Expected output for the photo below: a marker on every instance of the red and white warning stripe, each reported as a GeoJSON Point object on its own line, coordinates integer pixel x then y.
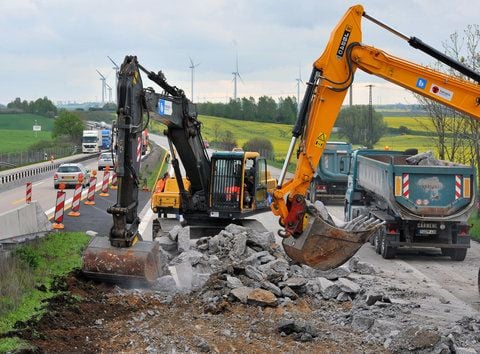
{"type": "Point", "coordinates": [139, 148]}
{"type": "Point", "coordinates": [106, 180]}
{"type": "Point", "coordinates": [91, 191]}
{"type": "Point", "coordinates": [114, 179]}
{"type": "Point", "coordinates": [406, 185]}
{"type": "Point", "coordinates": [28, 197]}
{"type": "Point", "coordinates": [77, 194]}
{"type": "Point", "coordinates": [458, 186]}
{"type": "Point", "coordinates": [59, 207]}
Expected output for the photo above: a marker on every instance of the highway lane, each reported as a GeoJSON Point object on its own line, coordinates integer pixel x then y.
{"type": "Point", "coordinates": [42, 191]}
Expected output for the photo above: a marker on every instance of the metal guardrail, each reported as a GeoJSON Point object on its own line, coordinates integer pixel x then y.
{"type": "Point", "coordinates": [22, 174]}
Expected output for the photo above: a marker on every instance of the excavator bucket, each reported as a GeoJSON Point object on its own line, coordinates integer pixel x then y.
{"type": "Point", "coordinates": [324, 246]}
{"type": "Point", "coordinates": [138, 265]}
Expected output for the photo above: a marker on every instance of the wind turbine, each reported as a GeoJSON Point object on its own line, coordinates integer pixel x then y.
{"type": "Point", "coordinates": [117, 69]}
{"type": "Point", "coordinates": [192, 67]}
{"type": "Point", "coordinates": [109, 92]}
{"type": "Point", "coordinates": [298, 80]}
{"type": "Point", "coordinates": [235, 74]}
{"type": "Point", "coordinates": [102, 79]}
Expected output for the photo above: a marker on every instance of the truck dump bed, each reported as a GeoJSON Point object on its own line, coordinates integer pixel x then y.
{"type": "Point", "coordinates": [417, 191]}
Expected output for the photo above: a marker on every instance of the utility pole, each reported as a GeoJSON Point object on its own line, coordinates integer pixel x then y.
{"type": "Point", "coordinates": [351, 95]}
{"type": "Point", "coordinates": [370, 116]}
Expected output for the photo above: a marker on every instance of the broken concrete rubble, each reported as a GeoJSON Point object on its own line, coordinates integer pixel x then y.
{"type": "Point", "coordinates": [251, 269]}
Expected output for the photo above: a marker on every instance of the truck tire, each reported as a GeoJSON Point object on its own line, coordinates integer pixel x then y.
{"type": "Point", "coordinates": [378, 241]}
{"type": "Point", "coordinates": [312, 192]}
{"type": "Point", "coordinates": [447, 252]}
{"type": "Point", "coordinates": [387, 252]}
{"type": "Point", "coordinates": [459, 254]}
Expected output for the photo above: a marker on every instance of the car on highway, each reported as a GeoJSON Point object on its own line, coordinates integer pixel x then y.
{"type": "Point", "coordinates": [70, 174]}
{"type": "Point", "coordinates": [106, 159]}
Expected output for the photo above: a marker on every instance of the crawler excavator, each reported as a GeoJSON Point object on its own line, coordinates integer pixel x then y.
{"type": "Point", "coordinates": [314, 240]}
{"type": "Point", "coordinates": [310, 236]}
{"type": "Point", "coordinates": [213, 192]}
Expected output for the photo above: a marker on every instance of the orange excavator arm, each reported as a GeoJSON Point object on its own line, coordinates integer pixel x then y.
{"type": "Point", "coordinates": [310, 240]}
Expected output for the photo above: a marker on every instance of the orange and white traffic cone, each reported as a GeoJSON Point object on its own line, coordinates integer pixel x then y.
{"type": "Point", "coordinates": [59, 209]}
{"type": "Point", "coordinates": [91, 190]}
{"type": "Point", "coordinates": [106, 179]}
{"type": "Point", "coordinates": [28, 196]}
{"type": "Point", "coordinates": [77, 195]}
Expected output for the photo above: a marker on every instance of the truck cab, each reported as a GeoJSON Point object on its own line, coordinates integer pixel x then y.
{"type": "Point", "coordinates": [91, 141]}
{"type": "Point", "coordinates": [330, 180]}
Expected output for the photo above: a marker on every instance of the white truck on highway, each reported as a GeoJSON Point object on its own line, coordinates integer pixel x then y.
{"type": "Point", "coordinates": [91, 141]}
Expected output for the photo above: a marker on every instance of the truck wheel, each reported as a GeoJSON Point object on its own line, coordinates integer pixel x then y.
{"type": "Point", "coordinates": [312, 192]}
{"type": "Point", "coordinates": [372, 239]}
{"type": "Point", "coordinates": [387, 251]}
{"type": "Point", "coordinates": [459, 254]}
{"type": "Point", "coordinates": [378, 241]}
{"type": "Point", "coordinates": [447, 252]}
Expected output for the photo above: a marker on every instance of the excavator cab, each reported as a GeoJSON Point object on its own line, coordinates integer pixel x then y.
{"type": "Point", "coordinates": [240, 184]}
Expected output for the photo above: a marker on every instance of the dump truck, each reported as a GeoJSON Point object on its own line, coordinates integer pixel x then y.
{"type": "Point", "coordinates": [329, 182]}
{"type": "Point", "coordinates": [423, 202]}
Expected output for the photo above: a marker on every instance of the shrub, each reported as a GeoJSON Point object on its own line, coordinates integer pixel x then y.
{"type": "Point", "coordinates": [262, 145]}
{"type": "Point", "coordinates": [28, 255]}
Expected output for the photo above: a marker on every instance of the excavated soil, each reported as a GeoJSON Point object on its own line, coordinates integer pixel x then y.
{"type": "Point", "coordinates": [90, 317]}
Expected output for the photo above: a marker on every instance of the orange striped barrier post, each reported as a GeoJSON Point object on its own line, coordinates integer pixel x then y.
{"type": "Point", "coordinates": [28, 196]}
{"type": "Point", "coordinates": [106, 179]}
{"type": "Point", "coordinates": [91, 189]}
{"type": "Point", "coordinates": [59, 209]}
{"type": "Point", "coordinates": [77, 195]}
{"type": "Point", "coordinates": [113, 184]}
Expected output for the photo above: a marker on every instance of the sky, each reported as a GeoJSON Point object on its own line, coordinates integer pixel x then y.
{"type": "Point", "coordinates": [54, 47]}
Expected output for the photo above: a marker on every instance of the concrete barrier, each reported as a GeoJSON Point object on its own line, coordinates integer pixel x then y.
{"type": "Point", "coordinates": [26, 221]}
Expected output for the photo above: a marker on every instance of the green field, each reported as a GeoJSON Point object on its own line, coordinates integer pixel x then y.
{"type": "Point", "coordinates": [20, 140]}
{"type": "Point", "coordinates": [412, 123]}
{"type": "Point", "coordinates": [24, 121]}
{"type": "Point", "coordinates": [280, 134]}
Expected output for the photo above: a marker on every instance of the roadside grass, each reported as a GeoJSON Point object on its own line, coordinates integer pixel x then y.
{"type": "Point", "coordinates": [25, 121]}
{"type": "Point", "coordinates": [27, 276]}
{"type": "Point", "coordinates": [158, 170]}
{"type": "Point", "coordinates": [20, 140]}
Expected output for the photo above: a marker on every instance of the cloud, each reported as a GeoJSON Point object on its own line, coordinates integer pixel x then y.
{"type": "Point", "coordinates": [52, 48]}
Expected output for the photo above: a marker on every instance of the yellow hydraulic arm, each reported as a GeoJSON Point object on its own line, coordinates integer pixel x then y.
{"type": "Point", "coordinates": [332, 74]}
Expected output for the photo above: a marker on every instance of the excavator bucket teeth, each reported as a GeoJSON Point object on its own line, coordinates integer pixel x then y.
{"type": "Point", "coordinates": [138, 265]}
{"type": "Point", "coordinates": [323, 246]}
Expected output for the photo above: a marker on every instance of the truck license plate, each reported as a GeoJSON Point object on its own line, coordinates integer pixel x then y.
{"type": "Point", "coordinates": [427, 225]}
{"type": "Point", "coordinates": [427, 232]}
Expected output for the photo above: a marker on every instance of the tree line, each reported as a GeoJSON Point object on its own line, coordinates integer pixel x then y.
{"type": "Point", "coordinates": [41, 106]}
{"type": "Point", "coordinates": [266, 109]}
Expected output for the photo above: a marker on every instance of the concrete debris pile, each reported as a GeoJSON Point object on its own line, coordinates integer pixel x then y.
{"type": "Point", "coordinates": [253, 269]}
{"type": "Point", "coordinates": [428, 159]}
{"type": "Point", "coordinates": [243, 265]}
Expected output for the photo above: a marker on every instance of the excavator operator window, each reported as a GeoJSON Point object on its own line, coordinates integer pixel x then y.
{"type": "Point", "coordinates": [226, 183]}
